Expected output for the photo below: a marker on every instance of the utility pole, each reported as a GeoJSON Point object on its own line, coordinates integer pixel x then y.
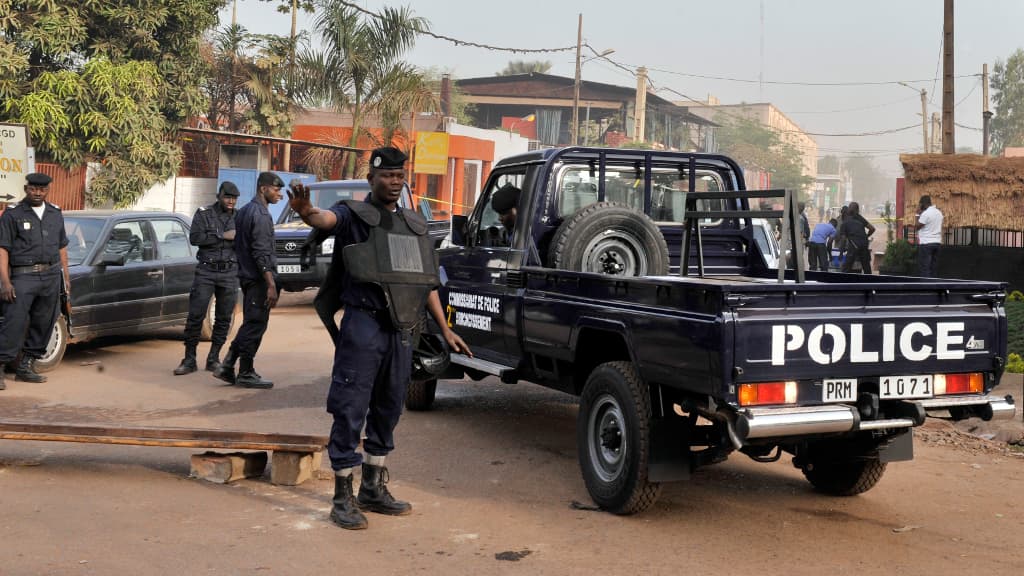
{"type": "Point", "coordinates": [948, 123]}
{"type": "Point", "coordinates": [640, 107]}
{"type": "Point", "coordinates": [986, 114]}
{"type": "Point", "coordinates": [575, 128]}
{"type": "Point", "coordinates": [936, 141]}
{"type": "Point", "coordinates": [924, 120]}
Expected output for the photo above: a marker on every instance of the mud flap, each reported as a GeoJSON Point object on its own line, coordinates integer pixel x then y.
{"type": "Point", "coordinates": [670, 459]}
{"type": "Point", "coordinates": [897, 448]}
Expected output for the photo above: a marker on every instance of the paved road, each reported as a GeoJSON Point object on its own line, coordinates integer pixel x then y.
{"type": "Point", "coordinates": [492, 474]}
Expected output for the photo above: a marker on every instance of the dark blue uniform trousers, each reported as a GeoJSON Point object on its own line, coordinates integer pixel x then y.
{"type": "Point", "coordinates": [206, 284]}
{"type": "Point", "coordinates": [372, 366]}
{"type": "Point", "coordinates": [255, 316]}
{"type": "Point", "coordinates": [34, 310]}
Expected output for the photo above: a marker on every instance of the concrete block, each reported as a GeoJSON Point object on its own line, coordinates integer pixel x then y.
{"type": "Point", "coordinates": [224, 468]}
{"type": "Point", "coordinates": [293, 468]}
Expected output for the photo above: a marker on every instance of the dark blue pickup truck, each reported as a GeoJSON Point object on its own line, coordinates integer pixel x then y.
{"type": "Point", "coordinates": [632, 280]}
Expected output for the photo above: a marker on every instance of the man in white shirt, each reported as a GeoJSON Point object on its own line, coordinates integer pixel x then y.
{"type": "Point", "coordinates": [929, 237]}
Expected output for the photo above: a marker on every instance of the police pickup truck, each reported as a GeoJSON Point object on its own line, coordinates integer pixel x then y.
{"type": "Point", "coordinates": [303, 258]}
{"type": "Point", "coordinates": [632, 280]}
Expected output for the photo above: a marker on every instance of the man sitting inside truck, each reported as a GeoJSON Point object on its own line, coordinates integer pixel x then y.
{"type": "Point", "coordinates": [504, 201]}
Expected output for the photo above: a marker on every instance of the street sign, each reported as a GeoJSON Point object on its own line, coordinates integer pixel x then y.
{"type": "Point", "coordinates": [14, 165]}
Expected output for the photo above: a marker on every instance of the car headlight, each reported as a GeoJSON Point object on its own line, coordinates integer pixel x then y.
{"type": "Point", "coordinates": [328, 246]}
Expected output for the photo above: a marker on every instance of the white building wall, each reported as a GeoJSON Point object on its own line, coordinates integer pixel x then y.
{"type": "Point", "coordinates": [177, 194]}
{"type": "Point", "coordinates": [505, 143]}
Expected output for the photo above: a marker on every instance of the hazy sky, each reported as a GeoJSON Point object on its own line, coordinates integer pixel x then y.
{"type": "Point", "coordinates": [870, 43]}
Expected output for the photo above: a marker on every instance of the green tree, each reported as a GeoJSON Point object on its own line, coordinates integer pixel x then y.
{"type": "Point", "coordinates": [525, 67]}
{"type": "Point", "coordinates": [1008, 95]}
{"type": "Point", "coordinates": [230, 68]}
{"type": "Point", "coordinates": [757, 147]}
{"type": "Point", "coordinates": [105, 81]}
{"type": "Point", "coordinates": [357, 70]}
{"type": "Point", "coordinates": [829, 165]}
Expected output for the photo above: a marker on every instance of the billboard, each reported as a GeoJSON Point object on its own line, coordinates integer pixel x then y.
{"type": "Point", "coordinates": [431, 153]}
{"type": "Point", "coordinates": [14, 165]}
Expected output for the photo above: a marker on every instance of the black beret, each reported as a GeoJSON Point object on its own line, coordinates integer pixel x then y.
{"type": "Point", "coordinates": [269, 179]}
{"type": "Point", "coordinates": [228, 189]}
{"type": "Point", "coordinates": [38, 179]}
{"type": "Point", "coordinates": [388, 158]}
{"type": "Point", "coordinates": [505, 198]}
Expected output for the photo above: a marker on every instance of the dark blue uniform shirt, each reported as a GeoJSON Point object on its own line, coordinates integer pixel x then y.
{"type": "Point", "coordinates": [207, 233]}
{"type": "Point", "coordinates": [351, 230]}
{"type": "Point", "coordinates": [29, 241]}
{"type": "Point", "coordinates": [254, 241]}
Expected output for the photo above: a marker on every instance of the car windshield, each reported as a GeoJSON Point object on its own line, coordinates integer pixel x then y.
{"type": "Point", "coordinates": [82, 235]}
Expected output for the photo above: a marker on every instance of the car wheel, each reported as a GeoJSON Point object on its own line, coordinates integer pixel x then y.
{"type": "Point", "coordinates": [420, 394]}
{"type": "Point", "coordinates": [613, 439]}
{"type": "Point", "coordinates": [609, 238]}
{"type": "Point", "coordinates": [54, 348]}
{"type": "Point", "coordinates": [206, 333]}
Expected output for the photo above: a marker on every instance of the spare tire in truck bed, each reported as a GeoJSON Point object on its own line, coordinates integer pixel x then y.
{"type": "Point", "coordinates": [610, 238]}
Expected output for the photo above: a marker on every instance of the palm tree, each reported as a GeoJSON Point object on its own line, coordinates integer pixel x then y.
{"type": "Point", "coordinates": [358, 68]}
{"type": "Point", "coordinates": [230, 68]}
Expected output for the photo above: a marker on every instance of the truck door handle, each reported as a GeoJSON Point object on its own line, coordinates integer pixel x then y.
{"type": "Point", "coordinates": [995, 296]}
{"type": "Point", "coordinates": [155, 273]}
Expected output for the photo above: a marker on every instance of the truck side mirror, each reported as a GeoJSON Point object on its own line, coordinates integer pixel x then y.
{"type": "Point", "coordinates": [459, 224]}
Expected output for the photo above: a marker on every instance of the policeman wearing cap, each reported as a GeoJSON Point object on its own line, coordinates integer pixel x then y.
{"type": "Point", "coordinates": [389, 274]}
{"type": "Point", "coordinates": [33, 258]}
{"type": "Point", "coordinates": [257, 269]}
{"type": "Point", "coordinates": [213, 232]}
{"type": "Point", "coordinates": [504, 201]}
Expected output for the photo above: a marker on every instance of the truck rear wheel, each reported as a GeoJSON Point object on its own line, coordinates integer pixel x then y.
{"type": "Point", "coordinates": [613, 439]}
{"type": "Point", "coordinates": [420, 394]}
{"type": "Point", "coordinates": [609, 238]}
{"type": "Point", "coordinates": [844, 476]}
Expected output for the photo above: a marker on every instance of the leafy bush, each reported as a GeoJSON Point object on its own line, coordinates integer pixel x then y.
{"type": "Point", "coordinates": [900, 258]}
{"type": "Point", "coordinates": [1016, 296]}
{"type": "Point", "coordinates": [1015, 363]}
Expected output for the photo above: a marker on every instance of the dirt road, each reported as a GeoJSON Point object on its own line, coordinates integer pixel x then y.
{"type": "Point", "coordinates": [492, 475]}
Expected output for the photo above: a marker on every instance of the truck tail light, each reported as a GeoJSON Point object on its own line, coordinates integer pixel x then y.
{"type": "Point", "coordinates": [762, 393]}
{"type": "Point", "coordinates": [972, 383]}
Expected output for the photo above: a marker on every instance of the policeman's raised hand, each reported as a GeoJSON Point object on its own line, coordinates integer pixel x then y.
{"type": "Point", "coordinates": [7, 293]}
{"type": "Point", "coordinates": [298, 196]}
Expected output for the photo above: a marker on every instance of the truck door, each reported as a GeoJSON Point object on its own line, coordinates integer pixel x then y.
{"type": "Point", "coordinates": [479, 303]}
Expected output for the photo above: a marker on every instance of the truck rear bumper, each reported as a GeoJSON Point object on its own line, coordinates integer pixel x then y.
{"type": "Point", "coordinates": [754, 423]}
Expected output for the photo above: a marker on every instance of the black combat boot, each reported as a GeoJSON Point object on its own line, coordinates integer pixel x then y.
{"type": "Point", "coordinates": [226, 370]}
{"type": "Point", "coordinates": [188, 363]}
{"type": "Point", "coordinates": [345, 513]}
{"type": "Point", "coordinates": [374, 495]}
{"type": "Point", "coordinates": [247, 376]}
{"type": "Point", "coordinates": [26, 371]}
{"type": "Point", "coordinates": [213, 358]}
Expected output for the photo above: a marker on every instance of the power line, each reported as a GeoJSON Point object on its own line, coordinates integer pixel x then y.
{"type": "Point", "coordinates": [870, 107]}
{"type": "Point", "coordinates": [458, 42]}
{"type": "Point", "coordinates": [793, 83]}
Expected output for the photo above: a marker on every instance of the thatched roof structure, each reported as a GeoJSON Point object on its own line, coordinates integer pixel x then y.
{"type": "Point", "coordinates": [969, 189]}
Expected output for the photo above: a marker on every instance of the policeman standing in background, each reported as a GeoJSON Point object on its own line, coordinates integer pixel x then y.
{"type": "Point", "coordinates": [257, 267]}
{"type": "Point", "coordinates": [213, 232]}
{"type": "Point", "coordinates": [390, 273]}
{"type": "Point", "coordinates": [33, 263]}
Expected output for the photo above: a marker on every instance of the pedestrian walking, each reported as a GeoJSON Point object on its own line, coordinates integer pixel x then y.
{"type": "Point", "coordinates": [213, 232]}
{"type": "Point", "coordinates": [257, 270]}
{"type": "Point", "coordinates": [929, 237]}
{"type": "Point", "coordinates": [33, 267]}
{"type": "Point", "coordinates": [856, 231]}
{"type": "Point", "coordinates": [390, 273]}
{"type": "Point", "coordinates": [819, 246]}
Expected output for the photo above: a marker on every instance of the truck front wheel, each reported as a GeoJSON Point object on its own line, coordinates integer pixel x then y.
{"type": "Point", "coordinates": [842, 474]}
{"type": "Point", "coordinates": [420, 394]}
{"type": "Point", "coordinates": [613, 439]}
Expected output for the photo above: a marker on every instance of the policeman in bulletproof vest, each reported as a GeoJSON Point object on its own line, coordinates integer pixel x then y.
{"type": "Point", "coordinates": [389, 274]}
{"type": "Point", "coordinates": [213, 232]}
{"type": "Point", "coordinates": [33, 266]}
